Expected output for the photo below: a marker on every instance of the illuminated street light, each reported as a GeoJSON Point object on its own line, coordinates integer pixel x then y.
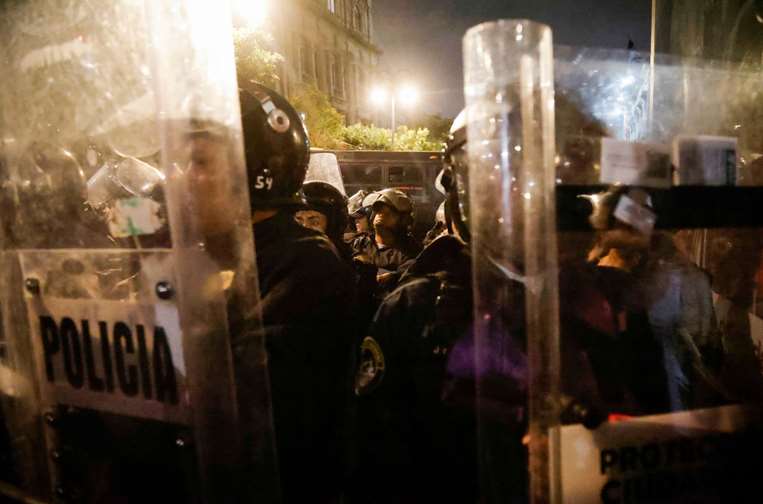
{"type": "Point", "coordinates": [253, 12]}
{"type": "Point", "coordinates": [407, 94]}
{"type": "Point", "coordinates": [379, 96]}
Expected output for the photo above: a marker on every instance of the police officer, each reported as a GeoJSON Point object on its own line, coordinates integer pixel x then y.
{"type": "Point", "coordinates": [359, 215]}
{"type": "Point", "coordinates": [391, 247]}
{"type": "Point", "coordinates": [326, 212]}
{"type": "Point", "coordinates": [416, 377]}
{"type": "Point", "coordinates": [306, 293]}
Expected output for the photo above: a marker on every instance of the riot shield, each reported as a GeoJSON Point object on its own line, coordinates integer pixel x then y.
{"type": "Point", "coordinates": [510, 127]}
{"type": "Point", "coordinates": [643, 374]}
{"type": "Point", "coordinates": [128, 272]}
{"type": "Point", "coordinates": [324, 167]}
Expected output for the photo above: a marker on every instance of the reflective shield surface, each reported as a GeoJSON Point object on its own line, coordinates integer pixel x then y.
{"type": "Point", "coordinates": [128, 271]}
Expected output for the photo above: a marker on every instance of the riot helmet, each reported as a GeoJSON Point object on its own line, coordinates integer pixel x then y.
{"type": "Point", "coordinates": [397, 200]}
{"type": "Point", "coordinates": [326, 199]}
{"type": "Point", "coordinates": [624, 219]}
{"type": "Point", "coordinates": [50, 186]}
{"type": "Point", "coordinates": [355, 204]}
{"type": "Point", "coordinates": [276, 148]}
{"type": "Point", "coordinates": [453, 180]}
{"type": "Point", "coordinates": [127, 178]}
{"type": "Point", "coordinates": [620, 206]}
{"type": "Point", "coordinates": [359, 214]}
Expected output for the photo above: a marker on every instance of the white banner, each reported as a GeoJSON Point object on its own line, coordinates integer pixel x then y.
{"type": "Point", "coordinates": [678, 457]}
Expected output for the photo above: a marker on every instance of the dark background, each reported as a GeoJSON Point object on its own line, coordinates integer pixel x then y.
{"type": "Point", "coordinates": [422, 38]}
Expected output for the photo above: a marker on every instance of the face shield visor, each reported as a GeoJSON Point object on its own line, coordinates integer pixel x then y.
{"type": "Point", "coordinates": [127, 178]}
{"type": "Point", "coordinates": [454, 181]}
{"type": "Point", "coordinates": [324, 167]}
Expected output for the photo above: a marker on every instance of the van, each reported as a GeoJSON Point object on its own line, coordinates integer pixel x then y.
{"type": "Point", "coordinates": [412, 172]}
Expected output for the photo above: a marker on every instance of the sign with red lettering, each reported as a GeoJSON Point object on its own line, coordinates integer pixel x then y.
{"type": "Point", "coordinates": [693, 456]}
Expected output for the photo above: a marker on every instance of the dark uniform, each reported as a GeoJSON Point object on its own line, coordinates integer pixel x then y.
{"type": "Point", "coordinates": [371, 261]}
{"type": "Point", "coordinates": [306, 294]}
{"type": "Point", "coordinates": [611, 360]}
{"type": "Point", "coordinates": [426, 389]}
{"type": "Point", "coordinates": [386, 258]}
{"type": "Point", "coordinates": [416, 439]}
{"type": "Point", "coordinates": [417, 408]}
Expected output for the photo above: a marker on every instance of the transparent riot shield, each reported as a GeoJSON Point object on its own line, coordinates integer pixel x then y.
{"type": "Point", "coordinates": [659, 264]}
{"type": "Point", "coordinates": [324, 167]}
{"type": "Point", "coordinates": [132, 364]}
{"type": "Point", "coordinates": [510, 128]}
{"type": "Point", "coordinates": [643, 335]}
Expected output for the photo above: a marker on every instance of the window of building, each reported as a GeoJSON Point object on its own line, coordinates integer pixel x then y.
{"type": "Point", "coordinates": [320, 70]}
{"type": "Point", "coordinates": [362, 84]}
{"type": "Point", "coordinates": [359, 17]}
{"type": "Point", "coordinates": [336, 73]}
{"type": "Point", "coordinates": [353, 84]}
{"type": "Point", "coordinates": [306, 60]}
{"type": "Point", "coordinates": [332, 6]}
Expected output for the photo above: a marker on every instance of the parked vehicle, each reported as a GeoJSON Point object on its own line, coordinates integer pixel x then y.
{"type": "Point", "coordinates": [411, 172]}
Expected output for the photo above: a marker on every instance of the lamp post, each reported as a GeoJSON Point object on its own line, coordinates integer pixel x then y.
{"type": "Point", "coordinates": [253, 13]}
{"type": "Point", "coordinates": [407, 94]}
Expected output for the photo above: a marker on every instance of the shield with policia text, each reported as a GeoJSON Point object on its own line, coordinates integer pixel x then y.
{"type": "Point", "coordinates": [127, 270]}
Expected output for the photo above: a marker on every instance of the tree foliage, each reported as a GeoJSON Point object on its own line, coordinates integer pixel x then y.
{"type": "Point", "coordinates": [363, 137]}
{"type": "Point", "coordinates": [325, 124]}
{"type": "Point", "coordinates": [414, 139]}
{"type": "Point", "coordinates": [327, 129]}
{"type": "Point", "coordinates": [438, 126]}
{"type": "Point", "coordinates": [255, 62]}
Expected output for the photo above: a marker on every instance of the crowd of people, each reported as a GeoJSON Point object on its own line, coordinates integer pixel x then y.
{"type": "Point", "coordinates": [379, 388]}
{"type": "Point", "coordinates": [372, 326]}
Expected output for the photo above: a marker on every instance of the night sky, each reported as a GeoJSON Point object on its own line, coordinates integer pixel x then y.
{"type": "Point", "coordinates": [422, 38]}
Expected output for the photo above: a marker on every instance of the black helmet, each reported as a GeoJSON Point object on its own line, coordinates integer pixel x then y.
{"type": "Point", "coordinates": [326, 199]}
{"type": "Point", "coordinates": [276, 147]}
{"type": "Point", "coordinates": [454, 178]}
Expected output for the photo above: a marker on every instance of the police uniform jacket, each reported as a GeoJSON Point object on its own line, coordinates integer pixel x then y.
{"type": "Point", "coordinates": [387, 258]}
{"type": "Point", "coordinates": [415, 386]}
{"type": "Point", "coordinates": [306, 294]}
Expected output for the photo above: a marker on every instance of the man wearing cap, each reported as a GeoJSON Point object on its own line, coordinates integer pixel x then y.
{"type": "Point", "coordinates": [391, 247]}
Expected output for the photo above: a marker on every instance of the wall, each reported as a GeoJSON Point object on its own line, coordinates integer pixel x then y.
{"type": "Point", "coordinates": [333, 50]}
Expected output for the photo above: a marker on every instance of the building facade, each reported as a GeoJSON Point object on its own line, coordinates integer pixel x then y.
{"type": "Point", "coordinates": [328, 43]}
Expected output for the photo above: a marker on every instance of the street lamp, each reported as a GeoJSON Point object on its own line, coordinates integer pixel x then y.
{"type": "Point", "coordinates": [407, 94]}
{"type": "Point", "coordinates": [253, 12]}
{"type": "Point", "coordinates": [378, 96]}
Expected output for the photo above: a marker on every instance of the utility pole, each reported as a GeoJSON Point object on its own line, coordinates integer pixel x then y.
{"type": "Point", "coordinates": [394, 118]}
